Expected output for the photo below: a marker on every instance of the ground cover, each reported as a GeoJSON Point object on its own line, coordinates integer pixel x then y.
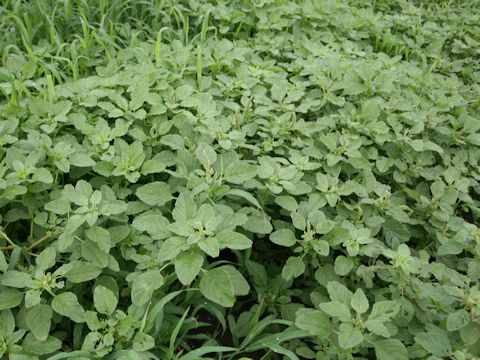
{"type": "Point", "coordinates": [240, 179]}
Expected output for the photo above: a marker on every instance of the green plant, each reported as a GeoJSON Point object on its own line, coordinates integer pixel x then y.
{"type": "Point", "coordinates": [181, 181]}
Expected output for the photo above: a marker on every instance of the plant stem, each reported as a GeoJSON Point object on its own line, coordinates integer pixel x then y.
{"type": "Point", "coordinates": [5, 236]}
{"type": "Point", "coordinates": [39, 241]}
{"type": "Point", "coordinates": [42, 240]}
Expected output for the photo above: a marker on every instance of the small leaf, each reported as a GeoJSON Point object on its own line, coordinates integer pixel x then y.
{"type": "Point", "coordinates": [34, 346]}
{"type": "Point", "coordinates": [187, 266]}
{"type": "Point", "coordinates": [457, 320]}
{"type": "Point", "coordinates": [7, 324]}
{"type": "Point", "coordinates": [42, 175]}
{"type": "Point", "coordinates": [336, 309]}
{"type": "Point", "coordinates": [294, 267]}
{"type": "Point", "coordinates": [283, 237]}
{"type": "Point", "coordinates": [233, 240]}
{"type": "Point", "coordinates": [46, 259]}
{"type": "Point", "coordinates": [38, 321]}
{"type": "Point", "coordinates": [171, 248]}
{"type": "Point", "coordinates": [359, 301]}
{"type": "Point", "coordinates": [349, 337]}
{"type": "Point", "coordinates": [185, 208]}
{"type": "Point", "coordinates": [155, 225]}
{"type": "Point", "coordinates": [143, 342]}
{"type": "Point", "coordinates": [82, 271]}
{"type": "Point", "coordinates": [287, 202]}
{"type": "Point", "coordinates": [100, 236]}
{"type": "Point", "coordinates": [384, 310]}
{"type": "Point", "coordinates": [156, 193]}
{"type": "Point", "coordinates": [434, 342]}
{"type": "Point", "coordinates": [10, 298]}
{"type": "Point", "coordinates": [67, 304]}
{"type": "Point", "coordinates": [104, 300]}
{"type": "Point", "coordinates": [314, 321]}
{"type": "Point", "coordinates": [210, 246]}
{"type": "Point", "coordinates": [81, 160]}
{"type": "Point", "coordinates": [390, 349]}
{"type": "Point", "coordinates": [343, 265]}
{"type": "Point", "coordinates": [3, 262]}
{"type": "Point", "coordinates": [59, 206]}
{"type": "Point", "coordinates": [144, 285]}
{"type": "Point", "coordinates": [17, 279]}
{"type": "Point", "coordinates": [240, 285]}
{"type": "Point", "coordinates": [216, 286]}
{"type": "Point", "coordinates": [339, 292]}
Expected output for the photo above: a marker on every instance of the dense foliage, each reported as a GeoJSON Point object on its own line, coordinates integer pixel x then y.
{"type": "Point", "coordinates": [263, 179]}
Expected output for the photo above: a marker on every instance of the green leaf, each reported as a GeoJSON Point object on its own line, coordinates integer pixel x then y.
{"type": "Point", "coordinates": [457, 320]}
{"type": "Point", "coordinates": [10, 298]}
{"type": "Point", "coordinates": [59, 206]}
{"type": "Point", "coordinates": [34, 346]}
{"type": "Point", "coordinates": [92, 253]}
{"type": "Point", "coordinates": [349, 337]}
{"type": "Point", "coordinates": [13, 191]}
{"type": "Point", "coordinates": [359, 301]}
{"type": "Point", "coordinates": [101, 237]}
{"type": "Point", "coordinates": [171, 248]}
{"type": "Point", "coordinates": [42, 175]}
{"type": "Point", "coordinates": [3, 262]}
{"type": "Point", "coordinates": [283, 237]}
{"type": "Point", "coordinates": [156, 193]}
{"type": "Point", "coordinates": [395, 230]}
{"type": "Point", "coordinates": [434, 342]}
{"type": "Point", "coordinates": [82, 271]}
{"type": "Point", "coordinates": [294, 267]}
{"type": "Point", "coordinates": [314, 321]}
{"type": "Point", "coordinates": [390, 349]}
{"type": "Point", "coordinates": [321, 247]}
{"type": "Point", "coordinates": [281, 350]}
{"type": "Point", "coordinates": [185, 208]}
{"type": "Point", "coordinates": [240, 285]}
{"type": "Point", "coordinates": [187, 266]}
{"type": "Point", "coordinates": [46, 259]}
{"type": "Point", "coordinates": [336, 309]}
{"type": "Point", "coordinates": [143, 342]}
{"type": "Point", "coordinates": [337, 236]}
{"type": "Point", "coordinates": [154, 225]}
{"type": "Point", "coordinates": [197, 353]}
{"type": "Point", "coordinates": [258, 272]}
{"type": "Point", "coordinates": [81, 160]}
{"type": "Point", "coordinates": [144, 285]}
{"type": "Point", "coordinates": [339, 292]}
{"type": "Point", "coordinates": [233, 240]}
{"type": "Point", "coordinates": [39, 320]}
{"type": "Point", "coordinates": [470, 333]}
{"type": "Point", "coordinates": [67, 304]}
{"type": "Point", "coordinates": [324, 227]}
{"type": "Point", "coordinates": [75, 196]}
{"type": "Point", "coordinates": [104, 168]}
{"type": "Point", "coordinates": [258, 223]}
{"type": "Point", "coordinates": [104, 300]}
{"type": "Point", "coordinates": [237, 172]}
{"type": "Point", "coordinates": [343, 265]}
{"type": "Point", "coordinates": [17, 279]}
{"type": "Point", "coordinates": [245, 195]}
{"type": "Point", "coordinates": [474, 139]}
{"type": "Point", "coordinates": [7, 324]}
{"type": "Point", "coordinates": [216, 286]}
{"type": "Point", "coordinates": [287, 202]}
{"type": "Point", "coordinates": [210, 246]}
{"type": "Point", "coordinates": [384, 310]}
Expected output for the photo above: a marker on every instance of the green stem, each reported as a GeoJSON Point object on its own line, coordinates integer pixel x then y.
{"type": "Point", "coordinates": [5, 236]}
{"type": "Point", "coordinates": [31, 226]}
